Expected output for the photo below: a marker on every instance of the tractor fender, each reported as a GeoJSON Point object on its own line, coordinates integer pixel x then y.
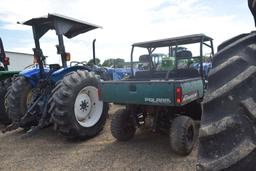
{"type": "Point", "coordinates": [33, 75]}
{"type": "Point", "coordinates": [7, 74]}
{"type": "Point", "coordinates": [59, 74]}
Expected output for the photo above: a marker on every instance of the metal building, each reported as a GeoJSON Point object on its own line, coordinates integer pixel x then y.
{"type": "Point", "coordinates": [18, 61]}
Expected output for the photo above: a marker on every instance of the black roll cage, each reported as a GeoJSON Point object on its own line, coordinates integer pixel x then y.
{"type": "Point", "coordinates": [173, 44]}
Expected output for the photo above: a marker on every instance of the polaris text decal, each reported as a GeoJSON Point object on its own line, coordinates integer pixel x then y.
{"type": "Point", "coordinates": [158, 100]}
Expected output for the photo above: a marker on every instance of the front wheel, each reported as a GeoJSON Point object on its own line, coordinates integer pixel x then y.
{"type": "Point", "coordinates": [19, 98]}
{"type": "Point", "coordinates": [4, 119]}
{"type": "Point", "coordinates": [77, 111]}
{"type": "Point", "coordinates": [182, 135]}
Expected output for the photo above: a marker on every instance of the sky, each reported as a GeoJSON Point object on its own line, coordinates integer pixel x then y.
{"type": "Point", "coordinates": [124, 22]}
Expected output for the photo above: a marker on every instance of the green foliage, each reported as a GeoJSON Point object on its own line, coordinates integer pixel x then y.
{"type": "Point", "coordinates": [108, 63]}
{"type": "Point", "coordinates": [97, 61]}
{"type": "Point", "coordinates": [115, 63]}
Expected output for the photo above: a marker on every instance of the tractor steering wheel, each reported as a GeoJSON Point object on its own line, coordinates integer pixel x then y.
{"type": "Point", "coordinates": [77, 63]}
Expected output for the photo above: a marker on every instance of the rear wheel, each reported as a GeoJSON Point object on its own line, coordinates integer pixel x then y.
{"type": "Point", "coordinates": [4, 119]}
{"type": "Point", "coordinates": [122, 127]}
{"type": "Point", "coordinates": [227, 138]}
{"type": "Point", "coordinates": [19, 98]}
{"type": "Point", "coordinates": [77, 110]}
{"type": "Point", "coordinates": [182, 135]}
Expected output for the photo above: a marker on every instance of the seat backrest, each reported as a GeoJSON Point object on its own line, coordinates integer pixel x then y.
{"type": "Point", "coordinates": [184, 54]}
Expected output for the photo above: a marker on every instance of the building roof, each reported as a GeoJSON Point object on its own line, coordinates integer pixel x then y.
{"type": "Point", "coordinates": [19, 53]}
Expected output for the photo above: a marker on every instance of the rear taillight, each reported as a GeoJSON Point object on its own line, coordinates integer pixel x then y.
{"type": "Point", "coordinates": [6, 61]}
{"type": "Point", "coordinates": [178, 95]}
{"type": "Point", "coordinates": [67, 56]}
{"type": "Point", "coordinates": [35, 60]}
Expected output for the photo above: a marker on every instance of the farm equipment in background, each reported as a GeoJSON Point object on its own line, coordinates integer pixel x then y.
{"type": "Point", "coordinates": [165, 96]}
{"type": "Point", "coordinates": [64, 95]}
{"type": "Point", "coordinates": [227, 138]}
{"type": "Point", "coordinates": [5, 82]}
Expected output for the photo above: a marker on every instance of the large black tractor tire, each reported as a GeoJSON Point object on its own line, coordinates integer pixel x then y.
{"type": "Point", "coordinates": [18, 98]}
{"type": "Point", "coordinates": [4, 118]}
{"type": "Point", "coordinates": [182, 135]}
{"type": "Point", "coordinates": [76, 109]}
{"type": "Point", "coordinates": [227, 137]}
{"type": "Point", "coordinates": [122, 127]}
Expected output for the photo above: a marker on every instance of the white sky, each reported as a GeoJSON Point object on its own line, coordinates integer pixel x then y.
{"type": "Point", "coordinates": [124, 22]}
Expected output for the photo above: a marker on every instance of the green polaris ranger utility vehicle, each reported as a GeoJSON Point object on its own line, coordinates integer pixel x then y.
{"type": "Point", "coordinates": [166, 95]}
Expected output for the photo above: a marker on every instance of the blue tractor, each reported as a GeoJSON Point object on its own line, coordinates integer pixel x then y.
{"type": "Point", "coordinates": [65, 96]}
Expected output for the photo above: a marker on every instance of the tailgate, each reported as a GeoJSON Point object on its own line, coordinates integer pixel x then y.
{"type": "Point", "coordinates": [138, 92]}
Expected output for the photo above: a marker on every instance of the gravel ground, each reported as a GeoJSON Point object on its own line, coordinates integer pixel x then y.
{"type": "Point", "coordinates": [50, 151]}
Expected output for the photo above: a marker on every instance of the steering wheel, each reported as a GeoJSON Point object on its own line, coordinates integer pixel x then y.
{"type": "Point", "coordinates": [77, 63]}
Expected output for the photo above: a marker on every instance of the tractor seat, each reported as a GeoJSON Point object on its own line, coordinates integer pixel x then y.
{"type": "Point", "coordinates": [54, 67]}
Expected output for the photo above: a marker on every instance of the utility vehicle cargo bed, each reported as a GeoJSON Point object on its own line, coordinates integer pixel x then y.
{"type": "Point", "coordinates": [154, 92]}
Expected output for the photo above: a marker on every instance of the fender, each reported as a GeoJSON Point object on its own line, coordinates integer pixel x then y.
{"type": "Point", "coordinates": [32, 74]}
{"type": "Point", "coordinates": [59, 74]}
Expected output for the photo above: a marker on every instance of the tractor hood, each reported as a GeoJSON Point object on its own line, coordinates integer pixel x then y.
{"type": "Point", "coordinates": [61, 24]}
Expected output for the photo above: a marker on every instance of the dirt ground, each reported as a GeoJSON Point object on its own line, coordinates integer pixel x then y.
{"type": "Point", "coordinates": [50, 151]}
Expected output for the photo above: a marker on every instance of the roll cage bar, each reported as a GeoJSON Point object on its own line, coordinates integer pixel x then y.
{"type": "Point", "coordinates": [173, 44]}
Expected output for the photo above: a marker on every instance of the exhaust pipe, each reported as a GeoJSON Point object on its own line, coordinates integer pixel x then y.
{"type": "Point", "coordinates": [93, 51]}
{"type": "Point", "coordinates": [252, 7]}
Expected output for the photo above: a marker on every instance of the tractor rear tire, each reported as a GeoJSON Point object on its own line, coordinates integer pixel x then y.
{"type": "Point", "coordinates": [182, 135]}
{"type": "Point", "coordinates": [227, 137]}
{"type": "Point", "coordinates": [122, 127]}
{"type": "Point", "coordinates": [77, 111]}
{"type": "Point", "coordinates": [4, 118]}
{"type": "Point", "coordinates": [17, 101]}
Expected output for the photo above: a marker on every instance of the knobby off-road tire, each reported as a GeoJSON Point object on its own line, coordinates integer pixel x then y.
{"type": "Point", "coordinates": [227, 137]}
{"type": "Point", "coordinates": [76, 109]}
{"type": "Point", "coordinates": [18, 98]}
{"type": "Point", "coordinates": [4, 118]}
{"type": "Point", "coordinates": [122, 127]}
{"type": "Point", "coordinates": [182, 135]}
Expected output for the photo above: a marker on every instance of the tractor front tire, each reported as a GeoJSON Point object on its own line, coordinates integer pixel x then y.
{"type": "Point", "coordinates": [77, 111]}
{"type": "Point", "coordinates": [4, 118]}
{"type": "Point", "coordinates": [182, 135]}
{"type": "Point", "coordinates": [122, 127]}
{"type": "Point", "coordinates": [18, 97]}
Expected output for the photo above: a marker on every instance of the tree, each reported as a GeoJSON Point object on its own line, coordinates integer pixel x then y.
{"type": "Point", "coordinates": [97, 60]}
{"type": "Point", "coordinates": [115, 63]}
{"type": "Point", "coordinates": [108, 63]}
{"type": "Point", "coordinates": [119, 63]}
